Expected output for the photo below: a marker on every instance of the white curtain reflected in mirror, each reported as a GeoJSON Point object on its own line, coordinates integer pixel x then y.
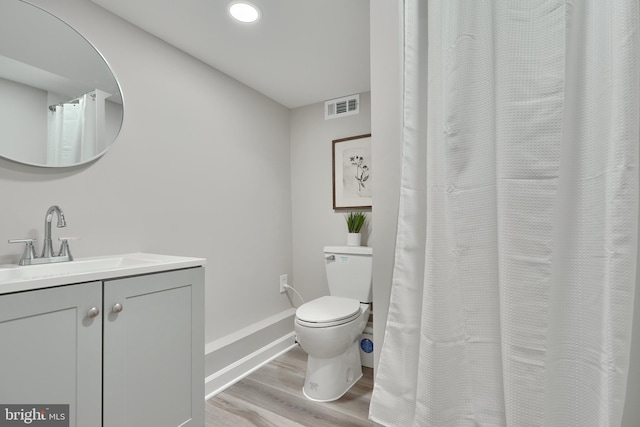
{"type": "Point", "coordinates": [77, 129]}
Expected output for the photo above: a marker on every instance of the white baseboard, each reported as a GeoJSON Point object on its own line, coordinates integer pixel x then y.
{"type": "Point", "coordinates": [233, 357]}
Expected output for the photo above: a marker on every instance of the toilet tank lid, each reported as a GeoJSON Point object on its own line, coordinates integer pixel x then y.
{"type": "Point", "coordinates": [351, 250]}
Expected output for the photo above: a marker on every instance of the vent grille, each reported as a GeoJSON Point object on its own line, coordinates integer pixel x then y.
{"type": "Point", "coordinates": [340, 107]}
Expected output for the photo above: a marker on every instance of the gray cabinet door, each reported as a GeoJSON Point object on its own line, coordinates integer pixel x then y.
{"type": "Point", "coordinates": [154, 350]}
{"type": "Point", "coordinates": [51, 350]}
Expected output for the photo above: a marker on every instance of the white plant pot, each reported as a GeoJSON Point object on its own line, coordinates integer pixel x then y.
{"type": "Point", "coordinates": [354, 239]}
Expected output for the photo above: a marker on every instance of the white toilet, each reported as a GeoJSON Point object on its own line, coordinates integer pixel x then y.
{"type": "Point", "coordinates": [329, 328]}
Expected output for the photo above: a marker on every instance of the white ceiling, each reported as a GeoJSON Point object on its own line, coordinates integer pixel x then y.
{"type": "Point", "coordinates": [300, 52]}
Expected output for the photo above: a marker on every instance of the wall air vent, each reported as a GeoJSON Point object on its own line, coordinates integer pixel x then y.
{"type": "Point", "coordinates": [340, 107]}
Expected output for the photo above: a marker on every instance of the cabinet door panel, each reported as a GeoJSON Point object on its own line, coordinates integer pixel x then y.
{"type": "Point", "coordinates": [51, 351]}
{"type": "Point", "coordinates": [154, 353]}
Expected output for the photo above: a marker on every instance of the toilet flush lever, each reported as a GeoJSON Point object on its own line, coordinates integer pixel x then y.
{"type": "Point", "coordinates": [330, 257]}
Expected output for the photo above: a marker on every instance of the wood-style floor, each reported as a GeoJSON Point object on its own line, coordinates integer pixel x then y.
{"type": "Point", "coordinates": [272, 396]}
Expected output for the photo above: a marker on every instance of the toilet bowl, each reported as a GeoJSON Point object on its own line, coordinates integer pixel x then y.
{"type": "Point", "coordinates": [328, 330]}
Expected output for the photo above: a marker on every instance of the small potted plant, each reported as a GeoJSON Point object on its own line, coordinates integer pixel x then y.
{"type": "Point", "coordinates": [355, 221]}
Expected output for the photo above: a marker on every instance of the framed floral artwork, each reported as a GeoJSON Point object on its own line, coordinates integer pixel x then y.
{"type": "Point", "coordinates": [352, 172]}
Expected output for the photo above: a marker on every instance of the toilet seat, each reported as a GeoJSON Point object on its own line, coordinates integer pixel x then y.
{"type": "Point", "coordinates": [327, 311]}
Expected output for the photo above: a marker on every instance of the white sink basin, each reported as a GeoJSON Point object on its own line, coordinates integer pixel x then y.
{"type": "Point", "coordinates": [17, 278]}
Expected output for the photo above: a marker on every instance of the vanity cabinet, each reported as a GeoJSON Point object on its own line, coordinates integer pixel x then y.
{"type": "Point", "coordinates": [138, 362]}
{"type": "Point", "coordinates": [51, 351]}
{"type": "Point", "coordinates": [154, 350]}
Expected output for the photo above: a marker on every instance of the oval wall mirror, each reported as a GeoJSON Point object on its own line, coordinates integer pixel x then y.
{"type": "Point", "coordinates": [60, 104]}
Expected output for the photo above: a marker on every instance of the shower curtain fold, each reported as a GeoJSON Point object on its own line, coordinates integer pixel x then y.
{"type": "Point", "coordinates": [515, 265]}
{"type": "Point", "coordinates": [72, 131]}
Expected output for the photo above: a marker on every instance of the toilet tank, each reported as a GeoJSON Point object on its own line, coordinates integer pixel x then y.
{"type": "Point", "coordinates": [349, 270]}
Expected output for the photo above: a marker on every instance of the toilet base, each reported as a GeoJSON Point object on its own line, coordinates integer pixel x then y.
{"type": "Point", "coordinates": [329, 379]}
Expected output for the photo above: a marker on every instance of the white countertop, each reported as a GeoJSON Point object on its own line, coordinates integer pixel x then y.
{"type": "Point", "coordinates": [14, 278]}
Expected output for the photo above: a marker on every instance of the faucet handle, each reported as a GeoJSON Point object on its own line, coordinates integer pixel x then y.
{"type": "Point", "coordinates": [21, 240]}
{"type": "Point", "coordinates": [29, 250]}
{"type": "Point", "coordinates": [64, 247]}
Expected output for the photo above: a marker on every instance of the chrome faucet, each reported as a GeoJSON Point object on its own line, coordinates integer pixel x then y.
{"type": "Point", "coordinates": [47, 248]}
{"type": "Point", "coordinates": [29, 256]}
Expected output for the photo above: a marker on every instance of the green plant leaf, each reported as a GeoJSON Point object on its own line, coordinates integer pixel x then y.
{"type": "Point", "coordinates": [355, 221]}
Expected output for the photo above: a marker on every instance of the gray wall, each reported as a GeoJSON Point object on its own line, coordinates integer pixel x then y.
{"type": "Point", "coordinates": [23, 120]}
{"type": "Point", "coordinates": [315, 224]}
{"type": "Point", "coordinates": [201, 168]}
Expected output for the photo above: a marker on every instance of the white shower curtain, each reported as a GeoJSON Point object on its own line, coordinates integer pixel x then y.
{"type": "Point", "coordinates": [72, 131]}
{"type": "Point", "coordinates": [515, 265]}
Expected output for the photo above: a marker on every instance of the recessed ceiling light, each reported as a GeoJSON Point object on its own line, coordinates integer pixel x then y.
{"type": "Point", "coordinates": [244, 11]}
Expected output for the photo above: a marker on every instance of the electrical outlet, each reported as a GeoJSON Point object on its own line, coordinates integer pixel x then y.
{"type": "Point", "coordinates": [283, 281]}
